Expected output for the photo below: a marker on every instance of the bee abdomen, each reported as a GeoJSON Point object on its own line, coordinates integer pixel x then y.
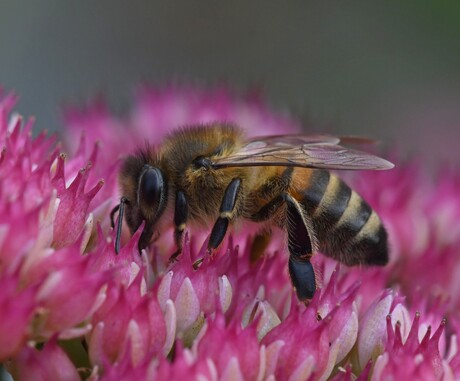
{"type": "Point", "coordinates": [346, 227]}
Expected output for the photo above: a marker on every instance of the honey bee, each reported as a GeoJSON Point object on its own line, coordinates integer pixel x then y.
{"type": "Point", "coordinates": [212, 174]}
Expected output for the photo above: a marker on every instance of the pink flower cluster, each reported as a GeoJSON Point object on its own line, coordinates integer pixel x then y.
{"type": "Point", "coordinates": [72, 309]}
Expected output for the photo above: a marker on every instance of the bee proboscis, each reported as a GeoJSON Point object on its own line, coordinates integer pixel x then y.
{"type": "Point", "coordinates": [212, 174]}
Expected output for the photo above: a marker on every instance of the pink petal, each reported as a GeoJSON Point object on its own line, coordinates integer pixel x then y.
{"type": "Point", "coordinates": [371, 339]}
{"type": "Point", "coordinates": [171, 324]}
{"type": "Point", "coordinates": [232, 372]}
{"type": "Point", "coordinates": [187, 306]}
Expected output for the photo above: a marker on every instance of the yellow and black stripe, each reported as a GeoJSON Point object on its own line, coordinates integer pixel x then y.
{"type": "Point", "coordinates": [346, 227]}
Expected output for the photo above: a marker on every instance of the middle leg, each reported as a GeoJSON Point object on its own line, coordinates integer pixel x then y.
{"type": "Point", "coordinates": [227, 211]}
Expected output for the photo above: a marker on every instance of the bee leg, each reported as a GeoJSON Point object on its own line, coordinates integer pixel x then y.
{"type": "Point", "coordinates": [227, 208]}
{"type": "Point", "coordinates": [265, 213]}
{"type": "Point", "coordinates": [121, 209]}
{"type": "Point", "coordinates": [180, 220]}
{"type": "Point", "coordinates": [300, 249]}
{"type": "Point", "coordinates": [299, 243]}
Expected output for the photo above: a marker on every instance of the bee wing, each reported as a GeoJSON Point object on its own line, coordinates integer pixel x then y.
{"type": "Point", "coordinates": [301, 151]}
{"type": "Point", "coordinates": [295, 140]}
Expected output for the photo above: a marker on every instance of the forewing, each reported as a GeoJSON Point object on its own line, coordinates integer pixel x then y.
{"type": "Point", "coordinates": [301, 151]}
{"type": "Point", "coordinates": [294, 140]}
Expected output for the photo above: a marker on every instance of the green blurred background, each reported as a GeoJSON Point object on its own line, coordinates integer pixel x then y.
{"type": "Point", "coordinates": [389, 70]}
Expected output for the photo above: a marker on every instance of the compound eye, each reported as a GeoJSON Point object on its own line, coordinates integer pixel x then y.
{"type": "Point", "coordinates": [151, 190]}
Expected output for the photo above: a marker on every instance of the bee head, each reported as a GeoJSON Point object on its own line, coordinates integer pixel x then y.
{"type": "Point", "coordinates": [144, 190]}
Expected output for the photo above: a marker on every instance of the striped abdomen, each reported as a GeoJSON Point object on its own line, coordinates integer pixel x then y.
{"type": "Point", "coordinates": [346, 227]}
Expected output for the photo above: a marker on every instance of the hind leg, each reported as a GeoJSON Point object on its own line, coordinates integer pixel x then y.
{"type": "Point", "coordinates": [299, 244]}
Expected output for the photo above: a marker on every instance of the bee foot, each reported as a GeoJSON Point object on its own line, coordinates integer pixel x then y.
{"type": "Point", "coordinates": [173, 258]}
{"type": "Point", "coordinates": [197, 263]}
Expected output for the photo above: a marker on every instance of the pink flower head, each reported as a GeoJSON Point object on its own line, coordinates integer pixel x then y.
{"type": "Point", "coordinates": [139, 317]}
{"type": "Point", "coordinates": [32, 271]}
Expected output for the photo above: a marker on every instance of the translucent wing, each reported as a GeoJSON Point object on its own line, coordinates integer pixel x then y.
{"type": "Point", "coordinates": [295, 140]}
{"type": "Point", "coordinates": [302, 151]}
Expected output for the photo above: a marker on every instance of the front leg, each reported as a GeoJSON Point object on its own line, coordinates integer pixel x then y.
{"type": "Point", "coordinates": [120, 208]}
{"type": "Point", "coordinates": [180, 221]}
